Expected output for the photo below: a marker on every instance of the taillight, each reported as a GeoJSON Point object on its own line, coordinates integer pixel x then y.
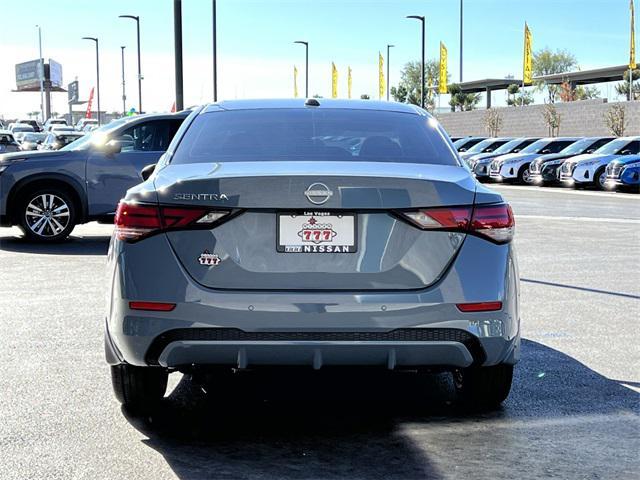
{"type": "Point", "coordinates": [455, 218]}
{"type": "Point", "coordinates": [494, 221]}
{"type": "Point", "coordinates": [134, 221]}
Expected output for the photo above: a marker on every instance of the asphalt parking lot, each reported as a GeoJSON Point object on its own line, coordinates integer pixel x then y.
{"type": "Point", "coordinates": [573, 411]}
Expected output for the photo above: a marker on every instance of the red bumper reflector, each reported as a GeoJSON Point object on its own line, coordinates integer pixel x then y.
{"type": "Point", "coordinates": [479, 307]}
{"type": "Point", "coordinates": [153, 306]}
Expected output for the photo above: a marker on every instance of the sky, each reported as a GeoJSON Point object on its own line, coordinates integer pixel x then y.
{"type": "Point", "coordinates": [256, 51]}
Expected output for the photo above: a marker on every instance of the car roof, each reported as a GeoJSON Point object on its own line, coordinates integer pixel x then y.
{"type": "Point", "coordinates": [292, 103]}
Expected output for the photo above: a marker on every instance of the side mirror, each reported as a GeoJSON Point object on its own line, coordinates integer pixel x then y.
{"type": "Point", "coordinates": [463, 149]}
{"type": "Point", "coordinates": [112, 147]}
{"type": "Point", "coordinates": [146, 172]}
{"type": "Point", "coordinates": [590, 150]}
{"type": "Point", "coordinates": [546, 150]}
{"type": "Point", "coordinates": [515, 150]}
{"type": "Point", "coordinates": [625, 152]}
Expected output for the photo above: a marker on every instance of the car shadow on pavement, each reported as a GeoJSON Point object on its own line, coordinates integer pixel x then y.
{"type": "Point", "coordinates": [375, 425]}
{"type": "Point", "coordinates": [74, 245]}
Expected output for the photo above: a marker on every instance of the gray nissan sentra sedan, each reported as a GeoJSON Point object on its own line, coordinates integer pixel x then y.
{"type": "Point", "coordinates": [312, 233]}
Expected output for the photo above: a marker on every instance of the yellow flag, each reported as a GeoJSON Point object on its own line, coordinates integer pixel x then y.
{"type": "Point", "coordinates": [528, 56]}
{"type": "Point", "coordinates": [349, 82]}
{"type": "Point", "coordinates": [334, 81]}
{"type": "Point", "coordinates": [381, 84]}
{"type": "Point", "coordinates": [295, 82]}
{"type": "Point", "coordinates": [632, 49]}
{"type": "Point", "coordinates": [442, 81]}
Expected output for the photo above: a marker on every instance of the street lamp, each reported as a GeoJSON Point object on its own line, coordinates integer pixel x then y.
{"type": "Point", "coordinates": [124, 95]}
{"type": "Point", "coordinates": [421, 18]}
{"type": "Point", "coordinates": [215, 50]}
{"type": "Point", "coordinates": [460, 41]}
{"type": "Point", "coordinates": [177, 48]}
{"type": "Point", "coordinates": [93, 39]}
{"type": "Point", "coordinates": [388, 61]}
{"type": "Point", "coordinates": [137, 19]}
{"type": "Point", "coordinates": [306, 74]}
{"type": "Point", "coordinates": [41, 73]}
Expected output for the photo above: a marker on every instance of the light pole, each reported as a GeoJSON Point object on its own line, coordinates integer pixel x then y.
{"type": "Point", "coordinates": [388, 62]}
{"type": "Point", "coordinates": [215, 52]}
{"type": "Point", "coordinates": [124, 95]}
{"type": "Point", "coordinates": [137, 19]}
{"type": "Point", "coordinates": [177, 46]}
{"type": "Point", "coordinates": [421, 18]}
{"type": "Point", "coordinates": [460, 41]}
{"type": "Point", "coordinates": [306, 68]}
{"type": "Point", "coordinates": [41, 73]}
{"type": "Point", "coordinates": [93, 39]}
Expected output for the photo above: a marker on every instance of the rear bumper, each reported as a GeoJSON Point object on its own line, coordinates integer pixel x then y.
{"type": "Point", "coordinates": [249, 328]}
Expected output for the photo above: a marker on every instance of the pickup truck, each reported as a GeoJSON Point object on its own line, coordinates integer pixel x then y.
{"type": "Point", "coordinates": [47, 193]}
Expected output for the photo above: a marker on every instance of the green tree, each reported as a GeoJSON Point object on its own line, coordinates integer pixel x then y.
{"type": "Point", "coordinates": [462, 101]}
{"type": "Point", "coordinates": [548, 62]}
{"type": "Point", "coordinates": [516, 98]}
{"type": "Point", "coordinates": [622, 88]}
{"type": "Point", "coordinates": [408, 90]}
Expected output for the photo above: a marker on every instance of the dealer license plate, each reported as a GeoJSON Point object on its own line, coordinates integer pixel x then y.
{"type": "Point", "coordinates": [316, 232]}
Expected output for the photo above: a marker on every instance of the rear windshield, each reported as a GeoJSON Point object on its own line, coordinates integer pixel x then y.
{"type": "Point", "coordinates": [313, 135]}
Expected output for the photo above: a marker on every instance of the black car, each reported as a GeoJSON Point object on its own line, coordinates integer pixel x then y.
{"type": "Point", "coordinates": [545, 169]}
{"type": "Point", "coordinates": [57, 140]}
{"type": "Point", "coordinates": [34, 123]}
{"type": "Point", "coordinates": [465, 143]}
{"type": "Point", "coordinates": [32, 140]}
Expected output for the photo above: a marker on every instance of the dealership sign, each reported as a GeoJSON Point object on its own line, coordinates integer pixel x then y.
{"type": "Point", "coordinates": [27, 74]}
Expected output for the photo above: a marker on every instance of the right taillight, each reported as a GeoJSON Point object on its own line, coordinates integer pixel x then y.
{"type": "Point", "coordinates": [135, 221]}
{"type": "Point", "coordinates": [494, 222]}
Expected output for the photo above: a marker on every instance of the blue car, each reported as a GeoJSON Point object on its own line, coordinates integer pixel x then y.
{"type": "Point", "coordinates": [624, 172]}
{"type": "Point", "coordinates": [47, 193]}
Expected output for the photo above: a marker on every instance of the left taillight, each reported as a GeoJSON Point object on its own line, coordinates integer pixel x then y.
{"type": "Point", "coordinates": [494, 222]}
{"type": "Point", "coordinates": [135, 221]}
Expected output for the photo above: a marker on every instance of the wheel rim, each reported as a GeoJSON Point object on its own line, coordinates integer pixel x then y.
{"type": "Point", "coordinates": [526, 176]}
{"type": "Point", "coordinates": [602, 179]}
{"type": "Point", "coordinates": [47, 215]}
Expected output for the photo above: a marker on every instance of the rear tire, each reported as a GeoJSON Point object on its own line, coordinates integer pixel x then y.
{"type": "Point", "coordinates": [482, 388]}
{"type": "Point", "coordinates": [138, 388]}
{"type": "Point", "coordinates": [46, 215]}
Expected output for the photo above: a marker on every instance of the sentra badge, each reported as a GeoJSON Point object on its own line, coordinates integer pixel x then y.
{"type": "Point", "coordinates": [200, 196]}
{"type": "Point", "coordinates": [209, 259]}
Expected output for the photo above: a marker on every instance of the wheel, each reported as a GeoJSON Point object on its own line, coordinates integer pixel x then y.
{"type": "Point", "coordinates": [600, 179]}
{"type": "Point", "coordinates": [483, 387]}
{"type": "Point", "coordinates": [47, 214]}
{"type": "Point", "coordinates": [524, 176]}
{"type": "Point", "coordinates": [138, 388]}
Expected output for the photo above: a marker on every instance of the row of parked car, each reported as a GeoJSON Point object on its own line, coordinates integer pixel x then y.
{"type": "Point", "coordinates": [28, 134]}
{"type": "Point", "coordinates": [604, 163]}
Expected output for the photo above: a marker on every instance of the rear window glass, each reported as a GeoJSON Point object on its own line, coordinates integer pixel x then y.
{"type": "Point", "coordinates": [313, 135]}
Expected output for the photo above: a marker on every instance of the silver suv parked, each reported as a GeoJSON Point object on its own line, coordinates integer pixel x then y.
{"type": "Point", "coordinates": [317, 233]}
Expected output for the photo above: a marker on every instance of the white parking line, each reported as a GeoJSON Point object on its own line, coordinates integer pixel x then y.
{"type": "Point", "coordinates": [534, 189]}
{"type": "Point", "coordinates": [579, 219]}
